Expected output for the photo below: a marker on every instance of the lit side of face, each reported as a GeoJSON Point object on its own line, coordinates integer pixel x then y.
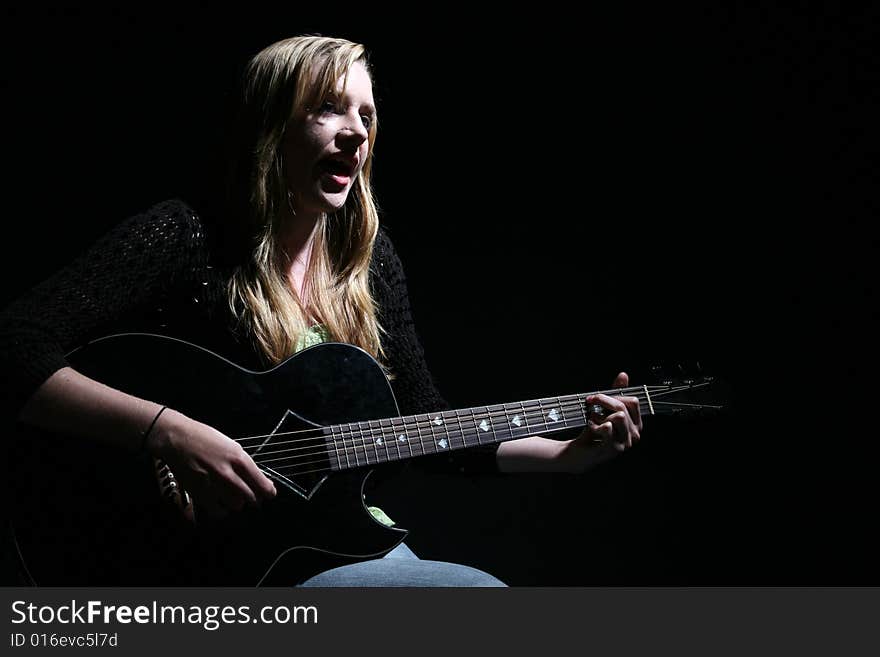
{"type": "Point", "coordinates": [325, 150]}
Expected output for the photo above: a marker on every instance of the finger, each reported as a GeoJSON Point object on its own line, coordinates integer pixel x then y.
{"type": "Point", "coordinates": [621, 380]}
{"type": "Point", "coordinates": [604, 431]}
{"type": "Point", "coordinates": [623, 428]}
{"type": "Point", "coordinates": [613, 404]}
{"type": "Point", "coordinates": [254, 477]}
{"type": "Point", "coordinates": [635, 412]}
{"type": "Point", "coordinates": [234, 493]}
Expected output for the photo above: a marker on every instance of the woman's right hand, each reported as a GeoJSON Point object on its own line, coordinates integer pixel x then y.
{"type": "Point", "coordinates": [214, 469]}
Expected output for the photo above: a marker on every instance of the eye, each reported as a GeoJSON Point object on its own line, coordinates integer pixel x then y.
{"type": "Point", "coordinates": [327, 107]}
{"type": "Point", "coordinates": [367, 121]}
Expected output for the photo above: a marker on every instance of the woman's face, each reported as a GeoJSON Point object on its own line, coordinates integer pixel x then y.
{"type": "Point", "coordinates": [325, 151]}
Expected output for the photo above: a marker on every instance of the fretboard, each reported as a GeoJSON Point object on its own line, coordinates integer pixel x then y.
{"type": "Point", "coordinates": [393, 439]}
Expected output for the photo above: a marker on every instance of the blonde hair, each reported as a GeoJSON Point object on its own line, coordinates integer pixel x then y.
{"type": "Point", "coordinates": [280, 83]}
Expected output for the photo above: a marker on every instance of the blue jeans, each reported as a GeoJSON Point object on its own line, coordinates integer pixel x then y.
{"type": "Point", "coordinates": [401, 567]}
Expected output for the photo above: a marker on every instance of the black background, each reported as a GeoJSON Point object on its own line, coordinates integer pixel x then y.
{"type": "Point", "coordinates": [572, 194]}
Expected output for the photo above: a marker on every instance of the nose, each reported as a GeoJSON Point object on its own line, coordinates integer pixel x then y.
{"type": "Point", "coordinates": [353, 133]}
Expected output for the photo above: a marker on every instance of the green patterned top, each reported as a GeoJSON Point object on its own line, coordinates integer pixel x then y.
{"type": "Point", "coordinates": [315, 335]}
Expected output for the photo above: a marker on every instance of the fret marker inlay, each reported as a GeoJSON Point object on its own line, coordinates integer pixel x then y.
{"type": "Point", "coordinates": [401, 438]}
{"type": "Point", "coordinates": [438, 420]}
{"type": "Point", "coordinates": [517, 421]}
{"type": "Point", "coordinates": [378, 441]}
{"type": "Point", "coordinates": [484, 425]}
{"type": "Point", "coordinates": [553, 415]}
{"type": "Point", "coordinates": [442, 442]}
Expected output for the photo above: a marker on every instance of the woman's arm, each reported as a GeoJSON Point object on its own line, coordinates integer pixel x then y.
{"type": "Point", "coordinates": [213, 468]}
{"type": "Point", "coordinates": [128, 269]}
{"type": "Point", "coordinates": [603, 439]}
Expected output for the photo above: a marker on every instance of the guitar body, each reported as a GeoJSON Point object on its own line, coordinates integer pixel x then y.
{"type": "Point", "coordinates": [88, 514]}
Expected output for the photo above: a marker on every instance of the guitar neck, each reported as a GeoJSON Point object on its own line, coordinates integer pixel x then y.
{"type": "Point", "coordinates": [393, 439]}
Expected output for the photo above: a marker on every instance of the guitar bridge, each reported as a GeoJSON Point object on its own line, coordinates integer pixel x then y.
{"type": "Point", "coordinates": [172, 492]}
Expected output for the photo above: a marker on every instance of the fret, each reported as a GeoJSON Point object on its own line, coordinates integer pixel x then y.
{"type": "Point", "coordinates": [473, 420]}
{"type": "Point", "coordinates": [566, 418]}
{"type": "Point", "coordinates": [351, 445]}
{"type": "Point", "coordinates": [368, 442]}
{"type": "Point", "coordinates": [345, 447]}
{"type": "Point", "coordinates": [341, 428]}
{"type": "Point", "coordinates": [357, 461]}
{"type": "Point", "coordinates": [383, 437]}
{"type": "Point", "coordinates": [514, 419]}
{"type": "Point", "coordinates": [434, 447]}
{"type": "Point", "coordinates": [565, 423]}
{"type": "Point", "coordinates": [443, 428]}
{"type": "Point", "coordinates": [354, 445]}
{"type": "Point", "coordinates": [402, 435]}
{"type": "Point", "coordinates": [391, 435]}
{"type": "Point", "coordinates": [582, 406]}
{"type": "Point", "coordinates": [336, 449]}
{"type": "Point", "coordinates": [525, 417]}
{"type": "Point", "coordinates": [363, 438]}
{"type": "Point", "coordinates": [438, 445]}
{"type": "Point", "coordinates": [460, 426]}
{"type": "Point", "coordinates": [419, 431]}
{"type": "Point", "coordinates": [484, 425]}
{"type": "Point", "coordinates": [503, 413]}
{"type": "Point", "coordinates": [376, 442]}
{"type": "Point", "coordinates": [548, 417]}
{"type": "Point", "coordinates": [449, 417]}
{"type": "Point", "coordinates": [561, 411]}
{"type": "Point", "coordinates": [478, 426]}
{"type": "Point", "coordinates": [577, 400]}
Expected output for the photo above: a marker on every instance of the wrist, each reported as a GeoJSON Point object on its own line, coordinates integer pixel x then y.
{"type": "Point", "coordinates": [158, 435]}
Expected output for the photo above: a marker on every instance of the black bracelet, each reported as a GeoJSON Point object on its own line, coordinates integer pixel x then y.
{"type": "Point", "coordinates": [152, 424]}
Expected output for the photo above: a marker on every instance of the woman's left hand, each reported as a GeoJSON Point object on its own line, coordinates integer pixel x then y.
{"type": "Point", "coordinates": [609, 433]}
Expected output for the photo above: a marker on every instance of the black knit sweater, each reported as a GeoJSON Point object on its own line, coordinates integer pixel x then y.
{"type": "Point", "coordinates": [163, 271]}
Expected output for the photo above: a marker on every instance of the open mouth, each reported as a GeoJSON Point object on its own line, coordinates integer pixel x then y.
{"type": "Point", "coordinates": [337, 173]}
{"type": "Point", "coordinates": [337, 168]}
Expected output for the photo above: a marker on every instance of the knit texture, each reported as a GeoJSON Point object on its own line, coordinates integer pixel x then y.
{"type": "Point", "coordinates": [160, 271]}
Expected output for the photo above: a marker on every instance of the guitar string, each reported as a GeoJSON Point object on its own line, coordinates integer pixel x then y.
{"type": "Point", "coordinates": [463, 434]}
{"type": "Point", "coordinates": [319, 435]}
{"type": "Point", "coordinates": [421, 421]}
{"type": "Point", "coordinates": [357, 441]}
{"type": "Point", "coordinates": [354, 445]}
{"type": "Point", "coordinates": [639, 391]}
{"type": "Point", "coordinates": [619, 391]}
{"type": "Point", "coordinates": [467, 430]}
{"type": "Point", "coordinates": [426, 422]}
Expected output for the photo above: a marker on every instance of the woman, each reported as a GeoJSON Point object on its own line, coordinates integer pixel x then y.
{"type": "Point", "coordinates": [298, 259]}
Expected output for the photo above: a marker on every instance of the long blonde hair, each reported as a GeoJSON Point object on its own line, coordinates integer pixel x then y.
{"type": "Point", "coordinates": [280, 83]}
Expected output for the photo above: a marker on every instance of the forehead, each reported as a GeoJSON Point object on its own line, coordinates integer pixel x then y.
{"type": "Point", "coordinates": [356, 85]}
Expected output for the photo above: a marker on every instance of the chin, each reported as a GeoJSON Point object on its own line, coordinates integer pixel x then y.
{"type": "Point", "coordinates": [334, 202]}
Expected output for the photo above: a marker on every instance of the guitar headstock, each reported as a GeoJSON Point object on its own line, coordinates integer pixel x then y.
{"type": "Point", "coordinates": [686, 390]}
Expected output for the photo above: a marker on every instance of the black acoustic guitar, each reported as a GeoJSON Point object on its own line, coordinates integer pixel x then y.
{"type": "Point", "coordinates": [85, 513]}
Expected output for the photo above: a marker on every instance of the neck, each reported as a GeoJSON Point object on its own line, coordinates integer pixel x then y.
{"type": "Point", "coordinates": [297, 235]}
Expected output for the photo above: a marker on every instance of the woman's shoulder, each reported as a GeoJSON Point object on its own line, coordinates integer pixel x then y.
{"type": "Point", "coordinates": [169, 215]}
{"type": "Point", "coordinates": [169, 225]}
